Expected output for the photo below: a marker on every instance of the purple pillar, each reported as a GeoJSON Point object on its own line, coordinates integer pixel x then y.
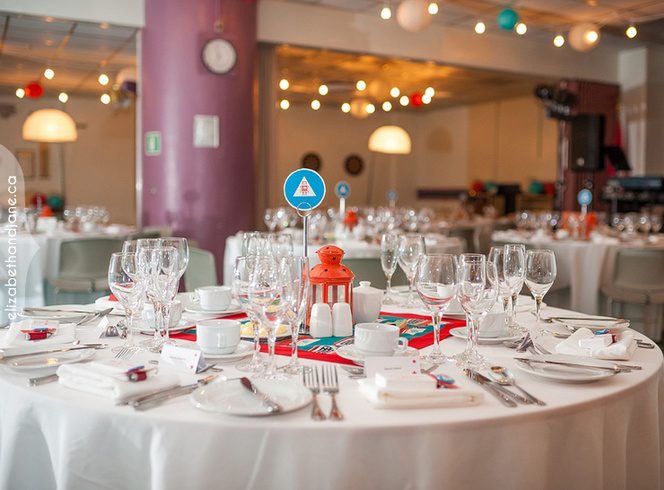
{"type": "Point", "coordinates": [204, 194]}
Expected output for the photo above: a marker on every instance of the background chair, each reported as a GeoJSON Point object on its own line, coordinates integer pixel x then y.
{"type": "Point", "coordinates": [636, 275]}
{"type": "Point", "coordinates": [201, 271]}
{"type": "Point", "coordinates": [82, 270]}
{"type": "Point", "coordinates": [482, 238]}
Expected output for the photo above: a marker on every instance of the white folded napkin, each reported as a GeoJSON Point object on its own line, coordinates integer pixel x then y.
{"type": "Point", "coordinates": [621, 350]}
{"type": "Point", "coordinates": [106, 379]}
{"type": "Point", "coordinates": [398, 394]}
{"type": "Point", "coordinates": [64, 333]}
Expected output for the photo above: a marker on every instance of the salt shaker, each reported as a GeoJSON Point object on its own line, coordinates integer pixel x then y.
{"type": "Point", "coordinates": [342, 320]}
{"type": "Point", "coordinates": [320, 323]}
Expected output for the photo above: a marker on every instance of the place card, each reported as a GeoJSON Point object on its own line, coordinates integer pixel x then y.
{"type": "Point", "coordinates": [182, 358]}
{"type": "Point", "coordinates": [391, 365]}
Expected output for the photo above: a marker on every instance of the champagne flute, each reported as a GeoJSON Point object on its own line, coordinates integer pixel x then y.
{"type": "Point", "coordinates": [514, 271]}
{"type": "Point", "coordinates": [496, 276]}
{"type": "Point", "coordinates": [242, 272]}
{"type": "Point", "coordinates": [128, 287]}
{"type": "Point", "coordinates": [436, 284]}
{"type": "Point", "coordinates": [477, 296]}
{"type": "Point", "coordinates": [280, 245]}
{"type": "Point", "coordinates": [389, 252]}
{"type": "Point", "coordinates": [295, 274]}
{"type": "Point", "coordinates": [540, 274]}
{"type": "Point", "coordinates": [267, 300]}
{"type": "Point", "coordinates": [411, 246]}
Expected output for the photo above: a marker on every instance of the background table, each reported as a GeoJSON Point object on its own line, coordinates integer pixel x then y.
{"type": "Point", "coordinates": [605, 435]}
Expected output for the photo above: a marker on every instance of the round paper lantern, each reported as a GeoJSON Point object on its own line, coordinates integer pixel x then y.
{"type": "Point", "coordinates": [584, 36]}
{"type": "Point", "coordinates": [536, 187]}
{"type": "Point", "coordinates": [477, 186]}
{"type": "Point", "coordinates": [126, 79]}
{"type": "Point", "coordinates": [507, 19]}
{"type": "Point", "coordinates": [34, 90]}
{"type": "Point", "coordinates": [413, 15]}
{"type": "Point", "coordinates": [416, 99]}
{"type": "Point", "coordinates": [55, 202]}
{"type": "Point", "coordinates": [358, 108]}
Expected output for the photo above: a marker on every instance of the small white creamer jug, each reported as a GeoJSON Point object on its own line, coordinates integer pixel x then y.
{"type": "Point", "coordinates": [366, 303]}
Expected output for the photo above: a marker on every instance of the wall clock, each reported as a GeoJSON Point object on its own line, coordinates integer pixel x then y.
{"type": "Point", "coordinates": [312, 161]}
{"type": "Point", "coordinates": [219, 56]}
{"type": "Point", "coordinates": [354, 164]}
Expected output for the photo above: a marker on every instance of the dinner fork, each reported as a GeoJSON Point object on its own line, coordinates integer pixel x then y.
{"type": "Point", "coordinates": [331, 387]}
{"type": "Point", "coordinates": [126, 352]}
{"type": "Point", "coordinates": [312, 381]}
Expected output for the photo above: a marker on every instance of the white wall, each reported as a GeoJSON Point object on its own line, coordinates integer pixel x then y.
{"type": "Point", "coordinates": [505, 141]}
{"type": "Point", "coordinates": [99, 165]}
{"type": "Point", "coordinates": [655, 117]}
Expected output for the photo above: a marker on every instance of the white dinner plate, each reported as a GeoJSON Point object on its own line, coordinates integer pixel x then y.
{"type": "Point", "coordinates": [352, 354]}
{"type": "Point", "coordinates": [461, 333]}
{"type": "Point", "coordinates": [230, 397]}
{"type": "Point", "coordinates": [566, 374]}
{"type": "Point", "coordinates": [593, 324]}
{"type": "Point", "coordinates": [244, 349]}
{"type": "Point", "coordinates": [57, 314]}
{"type": "Point", "coordinates": [45, 361]}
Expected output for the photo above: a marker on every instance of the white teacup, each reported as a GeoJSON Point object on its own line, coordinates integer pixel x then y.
{"type": "Point", "coordinates": [213, 297]}
{"type": "Point", "coordinates": [176, 313]}
{"type": "Point", "coordinates": [379, 339]}
{"type": "Point", "coordinates": [218, 336]}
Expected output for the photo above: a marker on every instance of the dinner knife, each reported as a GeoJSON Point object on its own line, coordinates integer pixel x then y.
{"type": "Point", "coordinates": [477, 378]}
{"type": "Point", "coordinates": [270, 404]}
{"type": "Point", "coordinates": [158, 397]}
{"type": "Point", "coordinates": [618, 368]}
{"type": "Point", "coordinates": [53, 351]}
{"type": "Point", "coordinates": [503, 389]}
{"type": "Point", "coordinates": [42, 380]}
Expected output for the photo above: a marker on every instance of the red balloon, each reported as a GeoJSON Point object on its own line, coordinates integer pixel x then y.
{"type": "Point", "coordinates": [416, 99]}
{"type": "Point", "coordinates": [34, 90]}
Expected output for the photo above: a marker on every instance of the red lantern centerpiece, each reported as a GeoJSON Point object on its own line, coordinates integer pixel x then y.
{"type": "Point", "coordinates": [331, 281]}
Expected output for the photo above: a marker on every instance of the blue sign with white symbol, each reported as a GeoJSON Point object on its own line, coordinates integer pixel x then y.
{"type": "Point", "coordinates": [304, 189]}
{"type": "Point", "coordinates": [342, 190]}
{"type": "Point", "coordinates": [392, 195]}
{"type": "Point", "coordinates": [584, 197]}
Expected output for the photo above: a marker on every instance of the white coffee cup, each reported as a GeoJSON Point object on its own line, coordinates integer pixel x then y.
{"type": "Point", "coordinates": [176, 313]}
{"type": "Point", "coordinates": [379, 339]}
{"type": "Point", "coordinates": [213, 297]}
{"type": "Point", "coordinates": [218, 336]}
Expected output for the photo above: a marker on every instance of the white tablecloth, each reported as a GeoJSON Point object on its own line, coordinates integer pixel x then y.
{"type": "Point", "coordinates": [601, 436]}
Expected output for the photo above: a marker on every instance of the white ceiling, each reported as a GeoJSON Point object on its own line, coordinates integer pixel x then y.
{"type": "Point", "coordinates": [77, 52]}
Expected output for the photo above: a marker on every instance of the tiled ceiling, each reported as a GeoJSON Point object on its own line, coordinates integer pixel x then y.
{"type": "Point", "coordinates": [77, 51]}
{"type": "Point", "coordinates": [306, 69]}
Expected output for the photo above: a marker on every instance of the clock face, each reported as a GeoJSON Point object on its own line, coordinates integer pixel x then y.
{"type": "Point", "coordinates": [219, 56]}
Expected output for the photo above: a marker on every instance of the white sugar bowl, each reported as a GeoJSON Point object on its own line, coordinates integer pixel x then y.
{"type": "Point", "coordinates": [366, 303]}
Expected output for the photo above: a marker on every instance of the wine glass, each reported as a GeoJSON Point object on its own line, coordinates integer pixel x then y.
{"type": "Point", "coordinates": [389, 252]}
{"type": "Point", "coordinates": [128, 287]}
{"type": "Point", "coordinates": [496, 276]}
{"type": "Point", "coordinates": [180, 244]}
{"type": "Point", "coordinates": [266, 298]}
{"type": "Point", "coordinates": [656, 222]}
{"type": "Point", "coordinates": [159, 268]}
{"type": "Point", "coordinates": [540, 274]}
{"type": "Point", "coordinates": [269, 219]}
{"type": "Point", "coordinates": [436, 284]}
{"type": "Point", "coordinates": [411, 246]}
{"type": "Point", "coordinates": [280, 245]}
{"type": "Point", "coordinates": [255, 243]}
{"type": "Point", "coordinates": [477, 296]}
{"type": "Point", "coordinates": [514, 271]}
{"type": "Point", "coordinates": [295, 275]}
{"type": "Point", "coordinates": [242, 272]}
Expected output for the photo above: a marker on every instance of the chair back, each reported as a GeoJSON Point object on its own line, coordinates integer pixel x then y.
{"type": "Point", "coordinates": [482, 238]}
{"type": "Point", "coordinates": [87, 257]}
{"type": "Point", "coordinates": [639, 269]}
{"type": "Point", "coordinates": [201, 270]}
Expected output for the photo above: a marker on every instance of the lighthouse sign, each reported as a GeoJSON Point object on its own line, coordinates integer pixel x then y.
{"type": "Point", "coordinates": [304, 189]}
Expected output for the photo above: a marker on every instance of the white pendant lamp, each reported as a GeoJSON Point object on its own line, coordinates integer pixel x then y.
{"type": "Point", "coordinates": [49, 126]}
{"type": "Point", "coordinates": [392, 140]}
{"type": "Point", "coordinates": [413, 15]}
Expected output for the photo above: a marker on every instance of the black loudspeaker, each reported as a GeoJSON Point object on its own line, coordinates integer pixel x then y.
{"type": "Point", "coordinates": [587, 142]}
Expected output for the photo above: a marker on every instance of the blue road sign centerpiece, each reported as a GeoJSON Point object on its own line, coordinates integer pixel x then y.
{"type": "Point", "coordinates": [584, 197]}
{"type": "Point", "coordinates": [304, 189]}
{"type": "Point", "coordinates": [342, 189]}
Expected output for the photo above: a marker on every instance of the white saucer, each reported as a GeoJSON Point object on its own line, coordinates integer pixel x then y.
{"type": "Point", "coordinates": [352, 354]}
{"type": "Point", "coordinates": [461, 333]}
{"type": "Point", "coordinates": [244, 349]}
{"type": "Point", "coordinates": [180, 327]}
{"type": "Point", "coordinates": [233, 309]}
{"type": "Point", "coordinates": [230, 397]}
{"type": "Point", "coordinates": [565, 374]}
{"type": "Point", "coordinates": [61, 316]}
{"type": "Point", "coordinates": [45, 361]}
{"type": "Point", "coordinates": [593, 324]}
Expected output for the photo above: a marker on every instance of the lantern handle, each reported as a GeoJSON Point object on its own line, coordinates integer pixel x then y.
{"type": "Point", "coordinates": [304, 211]}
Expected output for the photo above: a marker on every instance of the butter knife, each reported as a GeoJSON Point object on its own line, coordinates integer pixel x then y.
{"type": "Point", "coordinates": [42, 380]}
{"type": "Point", "coordinates": [486, 384]}
{"type": "Point", "coordinates": [52, 351]}
{"type": "Point", "coordinates": [270, 404]}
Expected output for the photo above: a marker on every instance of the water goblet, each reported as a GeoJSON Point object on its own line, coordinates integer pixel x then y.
{"type": "Point", "coordinates": [411, 247]}
{"type": "Point", "coordinates": [295, 276]}
{"type": "Point", "coordinates": [436, 284]}
{"type": "Point", "coordinates": [540, 274]}
{"type": "Point", "coordinates": [514, 271]}
{"type": "Point", "coordinates": [127, 286]}
{"type": "Point", "coordinates": [242, 273]}
{"type": "Point", "coordinates": [389, 252]}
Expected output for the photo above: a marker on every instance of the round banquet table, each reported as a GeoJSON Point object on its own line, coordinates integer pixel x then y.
{"type": "Point", "coordinates": [603, 435]}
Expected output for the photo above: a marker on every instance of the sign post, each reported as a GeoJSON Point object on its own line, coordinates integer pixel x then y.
{"type": "Point", "coordinates": [342, 190]}
{"type": "Point", "coordinates": [392, 198]}
{"type": "Point", "coordinates": [304, 190]}
{"type": "Point", "coordinates": [584, 198]}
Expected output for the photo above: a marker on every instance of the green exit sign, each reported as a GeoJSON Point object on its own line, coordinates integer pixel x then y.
{"type": "Point", "coordinates": [153, 143]}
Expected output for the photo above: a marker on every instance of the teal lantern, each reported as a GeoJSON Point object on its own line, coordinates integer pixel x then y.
{"type": "Point", "coordinates": [55, 202]}
{"type": "Point", "coordinates": [491, 186]}
{"type": "Point", "coordinates": [536, 187]}
{"type": "Point", "coordinates": [507, 19]}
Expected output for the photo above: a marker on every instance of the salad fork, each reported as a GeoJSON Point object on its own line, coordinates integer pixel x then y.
{"type": "Point", "coordinates": [311, 380]}
{"type": "Point", "coordinates": [331, 387]}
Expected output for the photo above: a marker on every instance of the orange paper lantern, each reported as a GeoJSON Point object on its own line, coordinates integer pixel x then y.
{"type": "Point", "coordinates": [331, 281]}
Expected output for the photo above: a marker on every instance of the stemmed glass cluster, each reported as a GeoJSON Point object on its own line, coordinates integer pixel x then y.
{"type": "Point", "coordinates": [509, 265]}
{"type": "Point", "coordinates": [411, 247]}
{"type": "Point", "coordinates": [126, 284]}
